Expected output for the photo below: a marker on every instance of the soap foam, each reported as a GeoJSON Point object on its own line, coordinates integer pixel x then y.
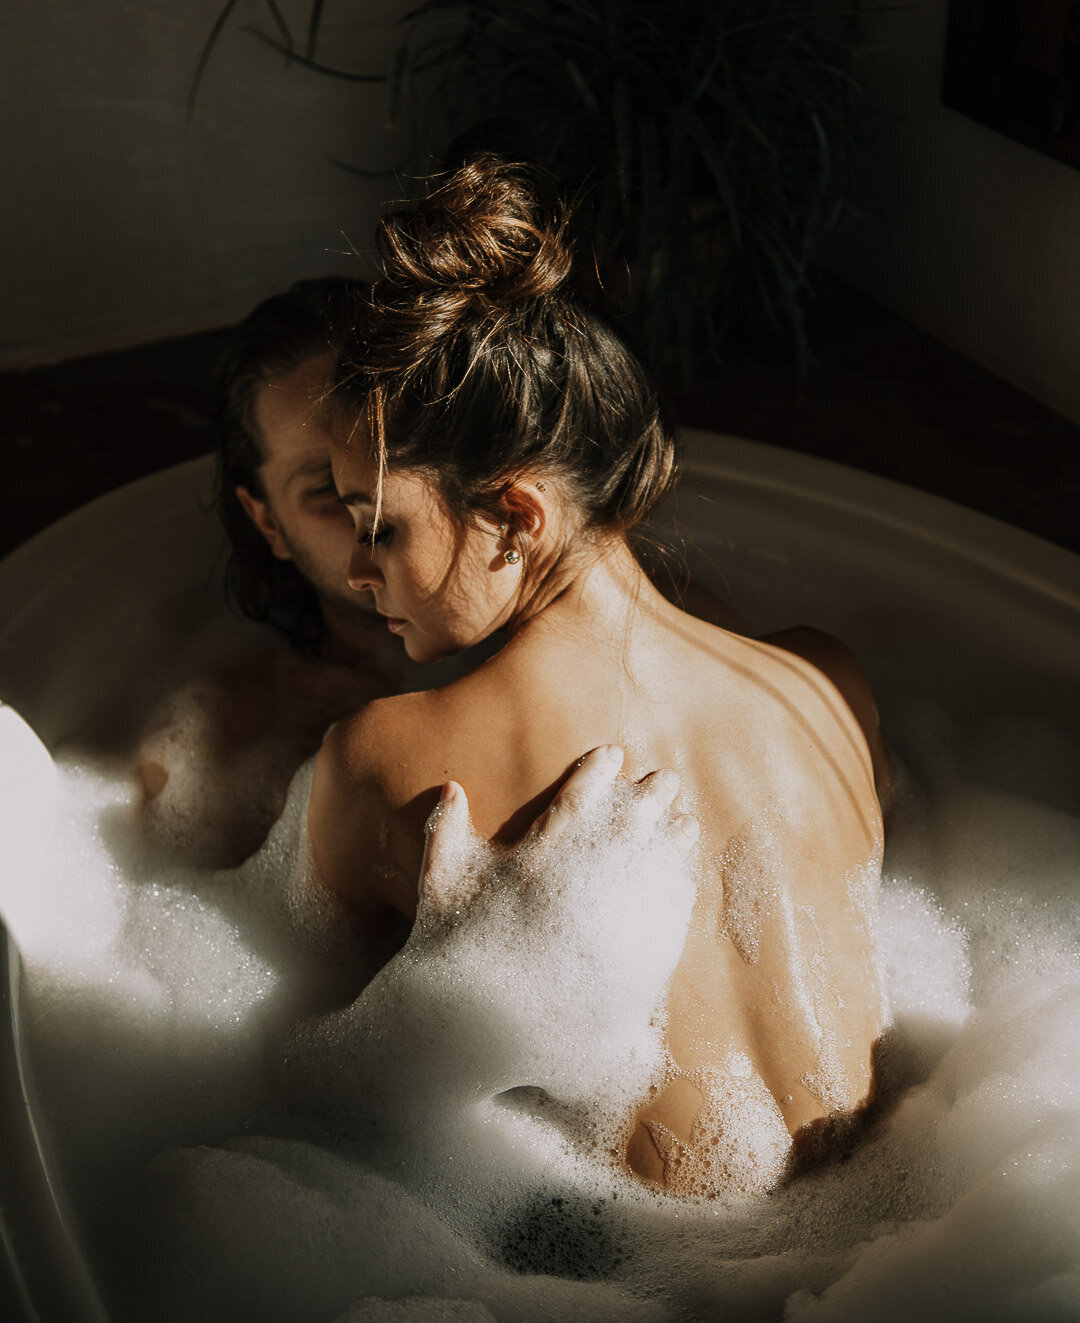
{"type": "Point", "coordinates": [433, 1149]}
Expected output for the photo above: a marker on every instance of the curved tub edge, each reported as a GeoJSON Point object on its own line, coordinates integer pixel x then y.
{"type": "Point", "coordinates": [43, 1273]}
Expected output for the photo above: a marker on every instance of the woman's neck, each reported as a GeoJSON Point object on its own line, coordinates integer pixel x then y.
{"type": "Point", "coordinates": [604, 587]}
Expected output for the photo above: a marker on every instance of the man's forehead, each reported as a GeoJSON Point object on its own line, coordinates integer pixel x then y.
{"type": "Point", "coordinates": [289, 414]}
{"type": "Point", "coordinates": [295, 459]}
{"type": "Point", "coordinates": [295, 443]}
{"type": "Point", "coordinates": [315, 464]}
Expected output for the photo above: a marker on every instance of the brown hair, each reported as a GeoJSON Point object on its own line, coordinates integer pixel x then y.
{"type": "Point", "coordinates": [475, 359]}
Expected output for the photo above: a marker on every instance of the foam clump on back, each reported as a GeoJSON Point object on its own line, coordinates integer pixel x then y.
{"type": "Point", "coordinates": [575, 945]}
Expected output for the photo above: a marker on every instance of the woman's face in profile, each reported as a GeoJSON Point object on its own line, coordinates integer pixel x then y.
{"type": "Point", "coordinates": [442, 585]}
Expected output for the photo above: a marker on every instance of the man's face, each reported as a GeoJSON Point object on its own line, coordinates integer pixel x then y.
{"type": "Point", "coordinates": [302, 518]}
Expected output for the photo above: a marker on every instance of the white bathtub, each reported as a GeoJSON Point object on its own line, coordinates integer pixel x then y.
{"type": "Point", "coordinates": [104, 609]}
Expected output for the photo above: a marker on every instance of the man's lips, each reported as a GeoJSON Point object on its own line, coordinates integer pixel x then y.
{"type": "Point", "coordinates": [395, 624]}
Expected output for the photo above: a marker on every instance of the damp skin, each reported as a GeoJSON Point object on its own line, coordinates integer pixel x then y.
{"type": "Point", "coordinates": [705, 1094]}
{"type": "Point", "coordinates": [769, 753]}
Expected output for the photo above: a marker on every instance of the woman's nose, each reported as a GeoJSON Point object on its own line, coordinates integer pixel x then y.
{"type": "Point", "coordinates": [363, 572]}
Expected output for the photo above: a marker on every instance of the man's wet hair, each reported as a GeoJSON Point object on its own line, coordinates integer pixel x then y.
{"type": "Point", "coordinates": [273, 339]}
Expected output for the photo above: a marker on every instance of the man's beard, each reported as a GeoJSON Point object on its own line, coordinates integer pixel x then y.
{"type": "Point", "coordinates": [337, 599]}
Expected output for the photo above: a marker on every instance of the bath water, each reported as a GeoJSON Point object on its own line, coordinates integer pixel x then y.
{"type": "Point", "coordinates": [243, 1139]}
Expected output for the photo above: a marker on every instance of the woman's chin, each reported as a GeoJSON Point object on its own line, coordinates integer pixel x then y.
{"type": "Point", "coordinates": [421, 650]}
{"type": "Point", "coordinates": [428, 648]}
{"type": "Point", "coordinates": [426, 651]}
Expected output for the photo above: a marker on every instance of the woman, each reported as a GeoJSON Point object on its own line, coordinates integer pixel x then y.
{"type": "Point", "coordinates": [496, 442]}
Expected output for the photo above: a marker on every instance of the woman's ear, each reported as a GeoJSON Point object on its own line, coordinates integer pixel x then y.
{"type": "Point", "coordinates": [525, 504]}
{"type": "Point", "coordinates": [262, 517]}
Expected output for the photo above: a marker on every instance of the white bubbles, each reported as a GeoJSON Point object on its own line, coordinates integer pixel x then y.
{"type": "Point", "coordinates": [246, 1138]}
{"type": "Point", "coordinates": [927, 968]}
{"type": "Point", "coordinates": [564, 953]}
{"type": "Point", "coordinates": [29, 790]}
{"type": "Point", "coordinates": [739, 1141]}
{"type": "Point", "coordinates": [71, 910]}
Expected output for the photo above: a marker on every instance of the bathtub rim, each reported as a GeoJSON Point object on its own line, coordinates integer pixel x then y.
{"type": "Point", "coordinates": [31, 570]}
{"type": "Point", "coordinates": [996, 547]}
{"type": "Point", "coordinates": [43, 1271]}
{"type": "Point", "coordinates": [993, 546]}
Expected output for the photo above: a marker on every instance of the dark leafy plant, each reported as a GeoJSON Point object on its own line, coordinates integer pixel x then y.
{"type": "Point", "coordinates": [714, 140]}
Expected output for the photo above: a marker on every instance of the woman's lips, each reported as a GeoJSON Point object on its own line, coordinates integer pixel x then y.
{"type": "Point", "coordinates": [395, 624]}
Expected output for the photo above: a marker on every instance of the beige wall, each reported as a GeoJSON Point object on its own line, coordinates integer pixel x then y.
{"type": "Point", "coordinates": [975, 238]}
{"type": "Point", "coordinates": [121, 223]}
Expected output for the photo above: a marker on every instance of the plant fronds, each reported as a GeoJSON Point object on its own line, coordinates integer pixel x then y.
{"type": "Point", "coordinates": [715, 140]}
{"type": "Point", "coordinates": [211, 42]}
{"type": "Point", "coordinates": [328, 71]}
{"type": "Point", "coordinates": [314, 23]}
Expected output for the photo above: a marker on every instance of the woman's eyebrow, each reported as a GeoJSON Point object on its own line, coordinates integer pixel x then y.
{"type": "Point", "coordinates": [355, 498]}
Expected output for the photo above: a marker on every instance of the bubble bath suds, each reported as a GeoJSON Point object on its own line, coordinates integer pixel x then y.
{"type": "Point", "coordinates": [235, 1150]}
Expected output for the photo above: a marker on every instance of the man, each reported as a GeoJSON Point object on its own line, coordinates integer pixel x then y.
{"type": "Point", "coordinates": [216, 761]}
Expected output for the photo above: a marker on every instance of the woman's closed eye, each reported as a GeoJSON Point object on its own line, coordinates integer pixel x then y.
{"type": "Point", "coordinates": [379, 536]}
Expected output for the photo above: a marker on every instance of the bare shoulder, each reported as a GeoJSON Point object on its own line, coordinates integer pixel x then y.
{"type": "Point", "coordinates": [827, 654]}
{"type": "Point", "coordinates": [833, 659]}
{"type": "Point", "coordinates": [401, 745]}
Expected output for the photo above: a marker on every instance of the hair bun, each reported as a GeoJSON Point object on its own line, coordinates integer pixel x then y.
{"type": "Point", "coordinates": [493, 233]}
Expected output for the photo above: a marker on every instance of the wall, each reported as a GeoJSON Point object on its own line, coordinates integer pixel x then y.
{"type": "Point", "coordinates": [122, 223]}
{"type": "Point", "coordinates": [971, 236]}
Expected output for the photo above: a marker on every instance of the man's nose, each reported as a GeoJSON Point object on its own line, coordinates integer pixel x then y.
{"type": "Point", "coordinates": [363, 572]}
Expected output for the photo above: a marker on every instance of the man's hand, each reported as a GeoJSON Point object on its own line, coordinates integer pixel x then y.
{"type": "Point", "coordinates": [587, 795]}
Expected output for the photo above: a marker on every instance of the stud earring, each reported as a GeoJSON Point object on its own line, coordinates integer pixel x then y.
{"type": "Point", "coordinates": [540, 487]}
{"type": "Point", "coordinates": [511, 557]}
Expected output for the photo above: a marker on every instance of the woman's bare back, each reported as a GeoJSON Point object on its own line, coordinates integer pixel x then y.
{"type": "Point", "coordinates": [775, 1005]}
